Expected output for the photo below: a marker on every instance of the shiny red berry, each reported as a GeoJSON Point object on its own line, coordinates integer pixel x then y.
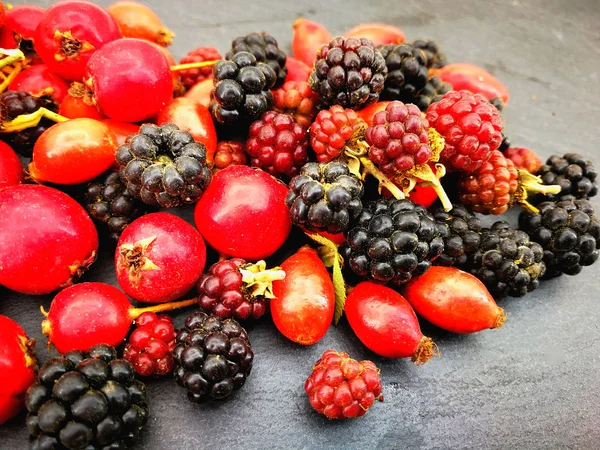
{"type": "Point", "coordinates": [40, 81]}
{"type": "Point", "coordinates": [298, 99]}
{"type": "Point", "coordinates": [332, 129]}
{"type": "Point", "coordinates": [190, 77]}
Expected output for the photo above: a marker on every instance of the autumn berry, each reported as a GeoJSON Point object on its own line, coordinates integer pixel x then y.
{"type": "Point", "coordinates": [278, 144]}
{"type": "Point", "coordinates": [150, 346]}
{"type": "Point", "coordinates": [406, 72]}
{"type": "Point", "coordinates": [525, 159]}
{"type": "Point", "coordinates": [299, 100]}
{"type": "Point", "coordinates": [190, 77]}
{"type": "Point", "coordinates": [575, 175]}
{"type": "Point", "coordinates": [341, 387]}
{"type": "Point", "coordinates": [433, 54]}
{"type": "Point", "coordinates": [332, 130]}
{"type": "Point", "coordinates": [229, 153]}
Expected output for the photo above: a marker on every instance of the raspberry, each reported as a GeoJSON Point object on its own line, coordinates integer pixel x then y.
{"type": "Point", "coordinates": [407, 72]}
{"type": "Point", "coordinates": [461, 233]}
{"type": "Point", "coordinates": [471, 127]}
{"type": "Point", "coordinates": [150, 346]}
{"type": "Point", "coordinates": [325, 197]}
{"type": "Point", "coordinates": [229, 153]}
{"type": "Point", "coordinates": [190, 77]}
{"type": "Point", "coordinates": [575, 176]}
{"type": "Point", "coordinates": [490, 189]}
{"type": "Point", "coordinates": [234, 288]}
{"type": "Point", "coordinates": [524, 159]}
{"type": "Point", "coordinates": [435, 58]}
{"type": "Point", "coordinates": [278, 144]}
{"type": "Point", "coordinates": [398, 138]}
{"type": "Point", "coordinates": [341, 387]}
{"type": "Point", "coordinates": [213, 357]}
{"type": "Point", "coordinates": [332, 130]}
{"type": "Point", "coordinates": [298, 99]}
{"type": "Point", "coordinates": [349, 72]}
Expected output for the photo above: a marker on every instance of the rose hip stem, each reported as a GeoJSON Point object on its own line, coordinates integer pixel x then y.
{"type": "Point", "coordinates": [196, 65]}
{"type": "Point", "coordinates": [24, 121]}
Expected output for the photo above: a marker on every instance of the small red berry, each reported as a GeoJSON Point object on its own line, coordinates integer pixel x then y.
{"type": "Point", "coordinates": [332, 129]}
{"type": "Point", "coordinates": [229, 153]}
{"type": "Point", "coordinates": [298, 99]}
{"type": "Point", "coordinates": [23, 20]}
{"type": "Point", "coordinates": [190, 77]}
{"type": "Point", "coordinates": [524, 159]}
{"type": "Point", "coordinates": [341, 387]}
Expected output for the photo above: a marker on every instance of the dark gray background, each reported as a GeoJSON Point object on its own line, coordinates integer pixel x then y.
{"type": "Point", "coordinates": [534, 383]}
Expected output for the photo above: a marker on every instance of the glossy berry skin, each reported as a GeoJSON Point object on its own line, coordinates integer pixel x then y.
{"type": "Point", "coordinates": [40, 81]}
{"type": "Point", "coordinates": [125, 71]}
{"type": "Point", "coordinates": [385, 323]}
{"type": "Point", "coordinates": [368, 114]}
{"type": "Point", "coordinates": [278, 144]}
{"type": "Point", "coordinates": [23, 20]}
{"type": "Point", "coordinates": [298, 99]}
{"type": "Point", "coordinates": [242, 213]}
{"type": "Point", "coordinates": [11, 171]}
{"type": "Point", "coordinates": [332, 130]}
{"type": "Point", "coordinates": [201, 92]}
{"type": "Point", "coordinates": [136, 20]}
{"type": "Point", "coordinates": [17, 367]}
{"type": "Point", "coordinates": [470, 126]}
{"type": "Point", "coordinates": [150, 346]}
{"type": "Point", "coordinates": [463, 76]}
{"type": "Point", "coordinates": [70, 33]}
{"type": "Point", "coordinates": [191, 77]}
{"type": "Point", "coordinates": [340, 387]}
{"type": "Point", "coordinates": [524, 159]}
{"type": "Point", "coordinates": [229, 153]}
{"type": "Point", "coordinates": [308, 38]}
{"type": "Point", "coordinates": [73, 107]}
{"type": "Point", "coordinates": [40, 256]}
{"type": "Point", "coordinates": [304, 301]}
{"type": "Point", "coordinates": [194, 118]}
{"type": "Point", "coordinates": [159, 258]}
{"type": "Point", "coordinates": [297, 70]}
{"type": "Point", "coordinates": [122, 130]}
{"type": "Point", "coordinates": [575, 175]}
{"type": "Point", "coordinates": [454, 300]}
{"type": "Point", "coordinates": [73, 152]}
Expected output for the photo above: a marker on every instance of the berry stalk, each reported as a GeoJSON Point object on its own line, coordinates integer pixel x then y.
{"type": "Point", "coordinates": [25, 121]}
{"type": "Point", "coordinates": [529, 183]}
{"type": "Point", "coordinates": [259, 280]}
{"type": "Point", "coordinates": [194, 65]}
{"type": "Point", "coordinates": [134, 313]}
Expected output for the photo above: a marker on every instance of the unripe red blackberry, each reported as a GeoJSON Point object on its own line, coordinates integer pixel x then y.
{"type": "Point", "coordinates": [524, 159]}
{"type": "Point", "coordinates": [299, 100]}
{"type": "Point", "coordinates": [229, 153]}
{"type": "Point", "coordinates": [190, 77]}
{"type": "Point", "coordinates": [332, 130]}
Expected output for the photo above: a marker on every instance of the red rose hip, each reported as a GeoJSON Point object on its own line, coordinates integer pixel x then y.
{"type": "Point", "coordinates": [11, 171]}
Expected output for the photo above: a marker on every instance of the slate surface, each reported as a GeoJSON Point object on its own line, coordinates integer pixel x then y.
{"type": "Point", "coordinates": [532, 384]}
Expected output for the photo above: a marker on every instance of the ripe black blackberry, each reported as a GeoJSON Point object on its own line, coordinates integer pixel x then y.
{"type": "Point", "coordinates": [575, 176]}
{"type": "Point", "coordinates": [568, 232]}
{"type": "Point", "coordinates": [349, 72]}
{"type": "Point", "coordinates": [407, 72]}
{"type": "Point", "coordinates": [461, 231]}
{"type": "Point", "coordinates": [499, 104]}
{"type": "Point", "coordinates": [392, 241]}
{"type": "Point", "coordinates": [17, 103]}
{"type": "Point", "coordinates": [435, 58]}
{"type": "Point", "coordinates": [433, 92]}
{"type": "Point", "coordinates": [507, 262]}
{"type": "Point", "coordinates": [265, 49]}
{"type": "Point", "coordinates": [164, 166]}
{"type": "Point", "coordinates": [108, 201]}
{"type": "Point", "coordinates": [213, 357]}
{"type": "Point", "coordinates": [242, 89]}
{"type": "Point", "coordinates": [86, 401]}
{"type": "Point", "coordinates": [324, 197]}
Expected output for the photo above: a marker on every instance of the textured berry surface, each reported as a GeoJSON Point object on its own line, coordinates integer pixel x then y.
{"type": "Point", "coordinates": [407, 72]}
{"type": "Point", "coordinates": [164, 166]}
{"type": "Point", "coordinates": [150, 346]}
{"type": "Point", "coordinates": [575, 176]}
{"type": "Point", "coordinates": [229, 153]}
{"type": "Point", "coordinates": [332, 130]}
{"type": "Point", "coordinates": [569, 233]}
{"type": "Point", "coordinates": [461, 232]}
{"type": "Point", "coordinates": [213, 357]}
{"type": "Point", "coordinates": [398, 138]}
{"type": "Point", "coordinates": [392, 241]}
{"type": "Point", "coordinates": [299, 100]}
{"type": "Point", "coordinates": [471, 127]}
{"type": "Point", "coordinates": [190, 77]}
{"type": "Point", "coordinates": [340, 387]}
{"type": "Point", "coordinates": [86, 400]}
{"type": "Point", "coordinates": [434, 57]}
{"type": "Point", "coordinates": [433, 92]}
{"type": "Point", "coordinates": [524, 159]}
{"type": "Point", "coordinates": [349, 72]}
{"type": "Point", "coordinates": [278, 144]}
{"type": "Point", "coordinates": [491, 188]}
{"type": "Point", "coordinates": [265, 49]}
{"type": "Point", "coordinates": [325, 197]}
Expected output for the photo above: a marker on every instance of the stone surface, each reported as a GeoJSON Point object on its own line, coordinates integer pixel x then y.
{"type": "Point", "coordinates": [531, 384]}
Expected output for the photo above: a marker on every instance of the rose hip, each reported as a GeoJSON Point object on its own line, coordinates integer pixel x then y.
{"type": "Point", "coordinates": [201, 92]}
{"type": "Point", "coordinates": [11, 171]}
{"type": "Point", "coordinates": [39, 81]}
{"type": "Point", "coordinates": [297, 70]}
{"type": "Point", "coordinates": [463, 76]}
{"type": "Point", "coordinates": [308, 37]}
{"type": "Point", "coordinates": [136, 20]}
{"type": "Point", "coordinates": [378, 33]}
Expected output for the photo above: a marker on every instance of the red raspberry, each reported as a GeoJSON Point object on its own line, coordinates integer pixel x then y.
{"type": "Point", "coordinates": [150, 345]}
{"type": "Point", "coordinates": [341, 387]}
{"type": "Point", "coordinates": [491, 188]}
{"type": "Point", "coordinates": [398, 138]}
{"type": "Point", "coordinates": [524, 159]}
{"type": "Point", "coordinates": [277, 144]}
{"type": "Point", "coordinates": [190, 77]}
{"type": "Point", "coordinates": [229, 153]}
{"type": "Point", "coordinates": [298, 99]}
{"type": "Point", "coordinates": [332, 130]}
{"type": "Point", "coordinates": [471, 127]}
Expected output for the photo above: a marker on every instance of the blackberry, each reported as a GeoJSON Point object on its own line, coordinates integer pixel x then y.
{"type": "Point", "coordinates": [499, 105]}
{"type": "Point", "coordinates": [213, 357]}
{"type": "Point", "coordinates": [575, 176]}
{"type": "Point", "coordinates": [507, 262]}
{"type": "Point", "coordinates": [461, 231]}
{"type": "Point", "coordinates": [433, 92]}
{"type": "Point", "coordinates": [325, 197]}
{"type": "Point", "coordinates": [435, 58]}
{"type": "Point", "coordinates": [17, 103]}
{"type": "Point", "coordinates": [164, 166]}
{"type": "Point", "coordinates": [242, 89]}
{"type": "Point", "coordinates": [265, 49]}
{"type": "Point", "coordinates": [108, 201]}
{"type": "Point", "coordinates": [406, 72]}
{"type": "Point", "coordinates": [349, 72]}
{"type": "Point", "coordinates": [392, 241]}
{"type": "Point", "coordinates": [86, 400]}
{"type": "Point", "coordinates": [568, 232]}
